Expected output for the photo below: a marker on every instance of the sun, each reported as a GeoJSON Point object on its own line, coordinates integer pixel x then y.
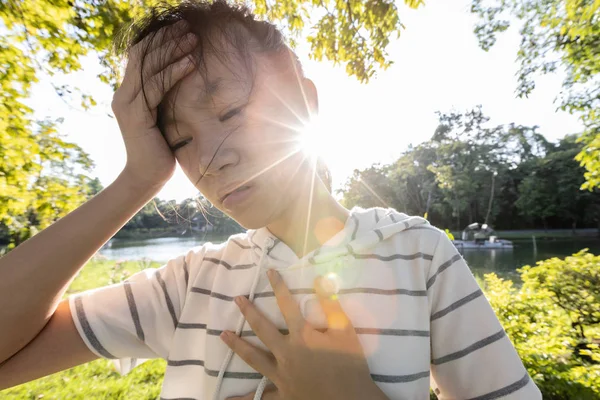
{"type": "Point", "coordinates": [314, 140]}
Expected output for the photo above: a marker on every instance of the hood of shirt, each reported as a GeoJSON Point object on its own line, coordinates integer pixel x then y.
{"type": "Point", "coordinates": [364, 229]}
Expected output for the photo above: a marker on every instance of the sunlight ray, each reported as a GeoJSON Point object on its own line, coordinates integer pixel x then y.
{"type": "Point", "coordinates": [365, 184]}
{"type": "Point", "coordinates": [310, 201]}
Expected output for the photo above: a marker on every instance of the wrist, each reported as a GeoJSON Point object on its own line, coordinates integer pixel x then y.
{"type": "Point", "coordinates": [130, 182]}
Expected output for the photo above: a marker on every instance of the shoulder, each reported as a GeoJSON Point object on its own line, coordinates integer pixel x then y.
{"type": "Point", "coordinates": [233, 247]}
{"type": "Point", "coordinates": [408, 228]}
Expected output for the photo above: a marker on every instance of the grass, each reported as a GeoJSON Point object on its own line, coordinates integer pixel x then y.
{"type": "Point", "coordinates": [97, 379]}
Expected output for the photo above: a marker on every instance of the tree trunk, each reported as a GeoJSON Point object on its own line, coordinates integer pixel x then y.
{"type": "Point", "coordinates": [457, 214]}
{"type": "Point", "coordinates": [487, 216]}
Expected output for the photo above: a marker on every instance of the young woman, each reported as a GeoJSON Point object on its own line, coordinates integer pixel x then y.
{"type": "Point", "coordinates": [314, 301]}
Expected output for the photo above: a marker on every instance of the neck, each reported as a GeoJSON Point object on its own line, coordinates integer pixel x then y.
{"type": "Point", "coordinates": [310, 221]}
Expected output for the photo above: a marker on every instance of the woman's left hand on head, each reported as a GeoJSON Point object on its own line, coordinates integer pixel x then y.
{"type": "Point", "coordinates": [306, 363]}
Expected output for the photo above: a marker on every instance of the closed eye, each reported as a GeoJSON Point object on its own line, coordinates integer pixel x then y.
{"type": "Point", "coordinates": [230, 114]}
{"type": "Point", "coordinates": [180, 144]}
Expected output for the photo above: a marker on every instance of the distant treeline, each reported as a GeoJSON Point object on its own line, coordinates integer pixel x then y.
{"type": "Point", "coordinates": [509, 176]}
{"type": "Point", "coordinates": [191, 217]}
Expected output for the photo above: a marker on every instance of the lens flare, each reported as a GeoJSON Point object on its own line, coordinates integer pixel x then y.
{"type": "Point", "coordinates": [311, 138]}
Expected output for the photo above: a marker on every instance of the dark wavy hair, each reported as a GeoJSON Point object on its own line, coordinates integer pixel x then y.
{"type": "Point", "coordinates": [233, 23]}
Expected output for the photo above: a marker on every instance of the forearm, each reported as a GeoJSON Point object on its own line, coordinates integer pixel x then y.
{"type": "Point", "coordinates": [35, 275]}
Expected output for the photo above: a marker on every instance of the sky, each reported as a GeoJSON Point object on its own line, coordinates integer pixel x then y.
{"type": "Point", "coordinates": [438, 66]}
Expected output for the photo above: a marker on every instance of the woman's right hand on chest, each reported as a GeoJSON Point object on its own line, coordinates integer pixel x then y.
{"type": "Point", "coordinates": [159, 61]}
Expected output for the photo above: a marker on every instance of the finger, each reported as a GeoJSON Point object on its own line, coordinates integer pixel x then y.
{"type": "Point", "coordinates": [336, 317]}
{"type": "Point", "coordinates": [156, 87]}
{"type": "Point", "coordinates": [289, 307]}
{"type": "Point", "coordinates": [270, 393]}
{"type": "Point", "coordinates": [154, 63]}
{"type": "Point", "coordinates": [257, 358]}
{"type": "Point", "coordinates": [155, 40]}
{"type": "Point", "coordinates": [264, 329]}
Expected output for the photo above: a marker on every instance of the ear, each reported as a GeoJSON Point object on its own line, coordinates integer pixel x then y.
{"type": "Point", "coordinates": [312, 97]}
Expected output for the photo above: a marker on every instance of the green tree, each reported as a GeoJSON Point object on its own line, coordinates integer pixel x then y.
{"type": "Point", "coordinates": [550, 187]}
{"type": "Point", "coordinates": [509, 176]}
{"type": "Point", "coordinates": [555, 35]}
{"type": "Point", "coordinates": [95, 187]}
{"type": "Point", "coordinates": [370, 187]}
{"type": "Point", "coordinates": [42, 177]}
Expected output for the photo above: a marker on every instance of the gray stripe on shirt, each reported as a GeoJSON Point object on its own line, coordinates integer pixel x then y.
{"type": "Point", "coordinates": [187, 325]}
{"type": "Point", "coordinates": [227, 265]}
{"type": "Point", "coordinates": [442, 267]}
{"type": "Point", "coordinates": [457, 304]}
{"type": "Point", "coordinates": [256, 375]}
{"type": "Point", "coordinates": [384, 292]}
{"type": "Point", "coordinates": [359, 331]}
{"type": "Point", "coordinates": [468, 350]}
{"type": "Point", "coordinates": [243, 246]}
{"type": "Point", "coordinates": [379, 234]}
{"type": "Point", "coordinates": [506, 390]}
{"type": "Point", "coordinates": [133, 310]}
{"type": "Point", "coordinates": [87, 329]}
{"type": "Point", "coordinates": [400, 378]}
{"type": "Point", "coordinates": [163, 285]}
{"type": "Point", "coordinates": [427, 227]}
{"type": "Point", "coordinates": [392, 257]}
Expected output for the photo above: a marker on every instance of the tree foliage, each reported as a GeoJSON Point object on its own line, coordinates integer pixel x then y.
{"type": "Point", "coordinates": [191, 217]}
{"type": "Point", "coordinates": [555, 35]}
{"type": "Point", "coordinates": [546, 319]}
{"type": "Point", "coordinates": [507, 175]}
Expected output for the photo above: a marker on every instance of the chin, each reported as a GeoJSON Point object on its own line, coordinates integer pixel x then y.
{"type": "Point", "coordinates": [255, 217]}
{"type": "Point", "coordinates": [251, 220]}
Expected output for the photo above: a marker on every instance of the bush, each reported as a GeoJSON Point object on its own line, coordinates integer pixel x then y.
{"type": "Point", "coordinates": [552, 320]}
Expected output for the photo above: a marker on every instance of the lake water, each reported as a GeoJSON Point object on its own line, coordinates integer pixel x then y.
{"type": "Point", "coordinates": [503, 262]}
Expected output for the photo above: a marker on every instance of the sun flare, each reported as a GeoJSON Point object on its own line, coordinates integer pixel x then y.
{"type": "Point", "coordinates": [313, 139]}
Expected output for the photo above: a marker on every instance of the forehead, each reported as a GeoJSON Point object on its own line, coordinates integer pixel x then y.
{"type": "Point", "coordinates": [225, 79]}
{"type": "Point", "coordinates": [216, 79]}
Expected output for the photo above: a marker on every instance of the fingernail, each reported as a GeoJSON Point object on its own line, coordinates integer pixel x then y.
{"type": "Point", "coordinates": [239, 300]}
{"type": "Point", "coordinates": [225, 336]}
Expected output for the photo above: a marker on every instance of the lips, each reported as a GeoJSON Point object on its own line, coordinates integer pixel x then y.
{"type": "Point", "coordinates": [233, 189]}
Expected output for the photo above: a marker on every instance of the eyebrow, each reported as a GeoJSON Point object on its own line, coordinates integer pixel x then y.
{"type": "Point", "coordinates": [209, 90]}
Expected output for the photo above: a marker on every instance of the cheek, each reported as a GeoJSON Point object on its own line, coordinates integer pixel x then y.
{"type": "Point", "coordinates": [187, 160]}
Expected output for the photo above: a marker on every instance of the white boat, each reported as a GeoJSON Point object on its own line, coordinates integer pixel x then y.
{"type": "Point", "coordinates": [478, 236]}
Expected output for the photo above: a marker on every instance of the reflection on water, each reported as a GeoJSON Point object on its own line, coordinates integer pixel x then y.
{"type": "Point", "coordinates": [505, 262]}
{"type": "Point", "coordinates": [502, 262]}
{"type": "Point", "coordinates": [160, 249]}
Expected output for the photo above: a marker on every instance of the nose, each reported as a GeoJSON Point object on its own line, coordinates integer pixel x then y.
{"type": "Point", "coordinates": [214, 163]}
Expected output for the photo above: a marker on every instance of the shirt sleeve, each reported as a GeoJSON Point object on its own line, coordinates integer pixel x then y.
{"type": "Point", "coordinates": [471, 355]}
{"type": "Point", "coordinates": [133, 321]}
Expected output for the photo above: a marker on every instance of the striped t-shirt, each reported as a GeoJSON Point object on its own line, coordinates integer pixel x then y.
{"type": "Point", "coordinates": [420, 316]}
